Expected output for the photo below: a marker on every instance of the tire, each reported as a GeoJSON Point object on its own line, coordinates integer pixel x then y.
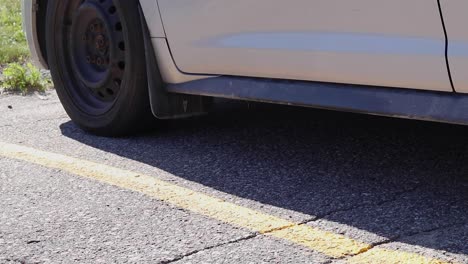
{"type": "Point", "coordinates": [96, 55]}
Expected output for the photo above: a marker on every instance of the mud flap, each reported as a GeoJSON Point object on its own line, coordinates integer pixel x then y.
{"type": "Point", "coordinates": [165, 105]}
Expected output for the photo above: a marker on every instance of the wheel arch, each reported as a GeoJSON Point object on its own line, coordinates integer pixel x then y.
{"type": "Point", "coordinates": [164, 106]}
{"type": "Point", "coordinates": [33, 12]}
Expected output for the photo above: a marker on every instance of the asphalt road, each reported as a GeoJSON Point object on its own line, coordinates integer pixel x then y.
{"type": "Point", "coordinates": [395, 184]}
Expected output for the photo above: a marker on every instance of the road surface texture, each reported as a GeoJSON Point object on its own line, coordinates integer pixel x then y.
{"type": "Point", "coordinates": [249, 183]}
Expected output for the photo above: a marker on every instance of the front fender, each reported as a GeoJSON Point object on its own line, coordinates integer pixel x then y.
{"type": "Point", "coordinates": [29, 12]}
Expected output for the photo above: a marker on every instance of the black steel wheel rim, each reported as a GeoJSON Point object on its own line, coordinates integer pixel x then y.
{"type": "Point", "coordinates": [93, 53]}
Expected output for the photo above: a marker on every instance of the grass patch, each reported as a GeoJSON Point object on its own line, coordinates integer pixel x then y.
{"type": "Point", "coordinates": [17, 74]}
{"type": "Point", "coordinates": [23, 78]}
{"type": "Point", "coordinates": [13, 46]}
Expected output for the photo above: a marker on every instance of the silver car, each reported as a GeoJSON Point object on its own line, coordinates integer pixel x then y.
{"type": "Point", "coordinates": [116, 63]}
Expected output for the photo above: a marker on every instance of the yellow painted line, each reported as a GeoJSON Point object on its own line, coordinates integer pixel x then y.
{"type": "Point", "coordinates": [387, 256]}
{"type": "Point", "coordinates": [328, 243]}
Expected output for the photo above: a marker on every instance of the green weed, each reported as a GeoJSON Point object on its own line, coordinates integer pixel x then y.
{"type": "Point", "coordinates": [13, 46]}
{"type": "Point", "coordinates": [23, 78]}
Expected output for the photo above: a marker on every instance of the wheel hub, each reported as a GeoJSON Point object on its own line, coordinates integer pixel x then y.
{"type": "Point", "coordinates": [96, 43]}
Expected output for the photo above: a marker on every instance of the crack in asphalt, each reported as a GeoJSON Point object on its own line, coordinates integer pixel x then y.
{"type": "Point", "coordinates": [391, 239]}
{"type": "Point", "coordinates": [411, 234]}
{"type": "Point", "coordinates": [251, 236]}
{"type": "Point", "coordinates": [180, 257]}
{"type": "Point", "coordinates": [396, 196]}
{"type": "Point", "coordinates": [400, 237]}
{"type": "Point", "coordinates": [33, 242]}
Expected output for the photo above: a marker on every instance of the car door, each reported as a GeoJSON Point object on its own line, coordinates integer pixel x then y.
{"type": "Point", "coordinates": [396, 43]}
{"type": "Point", "coordinates": [456, 19]}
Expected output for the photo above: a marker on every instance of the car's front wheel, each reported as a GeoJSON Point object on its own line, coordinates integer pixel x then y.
{"type": "Point", "coordinates": [96, 55]}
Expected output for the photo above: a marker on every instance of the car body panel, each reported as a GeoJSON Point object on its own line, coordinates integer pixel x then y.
{"type": "Point", "coordinates": [153, 18]}
{"type": "Point", "coordinates": [168, 70]}
{"type": "Point", "coordinates": [360, 41]}
{"type": "Point", "coordinates": [456, 19]}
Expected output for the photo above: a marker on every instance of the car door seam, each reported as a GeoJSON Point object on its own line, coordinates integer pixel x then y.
{"type": "Point", "coordinates": [447, 63]}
